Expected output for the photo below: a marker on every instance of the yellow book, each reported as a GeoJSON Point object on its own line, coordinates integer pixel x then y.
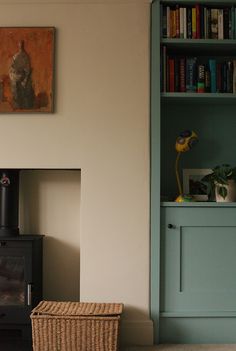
{"type": "Point", "coordinates": [173, 23]}
{"type": "Point", "coordinates": [194, 23]}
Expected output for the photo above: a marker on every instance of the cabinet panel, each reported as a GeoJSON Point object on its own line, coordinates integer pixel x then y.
{"type": "Point", "coordinates": [198, 255]}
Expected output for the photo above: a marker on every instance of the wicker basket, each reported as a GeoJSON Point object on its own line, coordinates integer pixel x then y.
{"type": "Point", "coordinates": [75, 326]}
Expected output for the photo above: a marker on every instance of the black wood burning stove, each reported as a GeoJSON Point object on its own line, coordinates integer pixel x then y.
{"type": "Point", "coordinates": [20, 261]}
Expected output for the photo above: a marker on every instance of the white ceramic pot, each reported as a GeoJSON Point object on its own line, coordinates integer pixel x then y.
{"type": "Point", "coordinates": [231, 192]}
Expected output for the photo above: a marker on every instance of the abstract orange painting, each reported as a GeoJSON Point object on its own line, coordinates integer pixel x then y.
{"type": "Point", "coordinates": [26, 69]}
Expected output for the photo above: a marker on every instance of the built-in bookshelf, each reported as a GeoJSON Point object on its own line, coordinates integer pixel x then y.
{"type": "Point", "coordinates": [197, 47]}
{"type": "Point", "coordinates": [198, 21]}
{"type": "Point", "coordinates": [188, 63]}
{"type": "Point", "coordinates": [197, 81]}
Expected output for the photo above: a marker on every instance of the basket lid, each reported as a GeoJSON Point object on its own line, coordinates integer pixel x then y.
{"type": "Point", "coordinates": [62, 308]}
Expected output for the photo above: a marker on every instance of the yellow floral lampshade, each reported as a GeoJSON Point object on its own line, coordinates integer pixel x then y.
{"type": "Point", "coordinates": [185, 141]}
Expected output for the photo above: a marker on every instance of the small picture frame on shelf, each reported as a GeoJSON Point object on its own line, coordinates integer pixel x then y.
{"type": "Point", "coordinates": [192, 184]}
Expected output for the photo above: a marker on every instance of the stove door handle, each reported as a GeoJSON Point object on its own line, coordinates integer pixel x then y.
{"type": "Point", "coordinates": [29, 294]}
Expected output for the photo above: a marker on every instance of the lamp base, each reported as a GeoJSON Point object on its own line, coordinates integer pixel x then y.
{"type": "Point", "coordinates": [185, 198]}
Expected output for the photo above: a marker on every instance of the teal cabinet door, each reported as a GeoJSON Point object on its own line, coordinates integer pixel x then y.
{"type": "Point", "coordinates": [198, 275]}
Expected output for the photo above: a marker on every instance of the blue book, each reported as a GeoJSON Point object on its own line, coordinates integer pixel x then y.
{"type": "Point", "coordinates": [212, 66]}
{"type": "Point", "coordinates": [191, 74]}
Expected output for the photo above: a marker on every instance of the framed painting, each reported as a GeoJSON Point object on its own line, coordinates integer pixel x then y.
{"type": "Point", "coordinates": [26, 69]}
{"type": "Point", "coordinates": [193, 185]}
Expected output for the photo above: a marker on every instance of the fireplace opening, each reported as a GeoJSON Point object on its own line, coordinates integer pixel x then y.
{"type": "Point", "coordinates": [20, 260]}
{"type": "Point", "coordinates": [39, 231]}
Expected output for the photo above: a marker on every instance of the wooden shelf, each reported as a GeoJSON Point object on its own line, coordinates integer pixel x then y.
{"type": "Point", "coordinates": [197, 204]}
{"type": "Point", "coordinates": [204, 2]}
{"type": "Point", "coordinates": [217, 98]}
{"type": "Point", "coordinates": [203, 44]}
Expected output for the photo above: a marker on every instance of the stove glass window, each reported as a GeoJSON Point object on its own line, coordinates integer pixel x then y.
{"type": "Point", "coordinates": [12, 285]}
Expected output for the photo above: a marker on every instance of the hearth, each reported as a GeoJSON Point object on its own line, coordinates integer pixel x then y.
{"type": "Point", "coordinates": [20, 261]}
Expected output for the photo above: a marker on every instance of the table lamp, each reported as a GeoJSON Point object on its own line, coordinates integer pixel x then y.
{"type": "Point", "coordinates": [185, 141]}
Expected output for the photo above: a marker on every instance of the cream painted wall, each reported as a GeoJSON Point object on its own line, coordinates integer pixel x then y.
{"type": "Point", "coordinates": [101, 125]}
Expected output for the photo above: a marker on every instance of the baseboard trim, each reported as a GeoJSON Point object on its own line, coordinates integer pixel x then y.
{"type": "Point", "coordinates": [138, 333]}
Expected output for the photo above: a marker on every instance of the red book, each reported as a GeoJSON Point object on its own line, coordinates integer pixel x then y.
{"type": "Point", "coordinates": [171, 64]}
{"type": "Point", "coordinates": [198, 22]}
{"type": "Point", "coordinates": [182, 78]}
{"type": "Point", "coordinates": [177, 21]}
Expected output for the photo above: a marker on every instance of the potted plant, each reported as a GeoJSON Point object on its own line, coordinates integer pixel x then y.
{"type": "Point", "coordinates": [221, 182]}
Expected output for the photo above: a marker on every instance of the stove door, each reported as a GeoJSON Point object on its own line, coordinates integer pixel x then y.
{"type": "Point", "coordinates": [15, 283]}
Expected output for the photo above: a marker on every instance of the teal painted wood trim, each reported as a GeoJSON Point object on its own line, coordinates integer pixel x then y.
{"type": "Point", "coordinates": [205, 2]}
{"type": "Point", "coordinates": [198, 330]}
{"type": "Point", "coordinates": [228, 96]}
{"type": "Point", "coordinates": [201, 42]}
{"type": "Point", "coordinates": [198, 314]}
{"type": "Point", "coordinates": [155, 167]}
{"type": "Point", "coordinates": [198, 204]}
{"type": "Point", "coordinates": [196, 98]}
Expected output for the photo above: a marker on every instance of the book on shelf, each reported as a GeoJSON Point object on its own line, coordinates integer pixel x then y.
{"type": "Point", "coordinates": [191, 81]}
{"type": "Point", "coordinates": [234, 76]}
{"type": "Point", "coordinates": [181, 23]}
{"type": "Point", "coordinates": [218, 78]}
{"type": "Point", "coordinates": [198, 21]}
{"type": "Point", "coordinates": [189, 23]}
{"type": "Point", "coordinates": [201, 78]}
{"type": "Point", "coordinates": [226, 22]}
{"type": "Point", "coordinates": [171, 75]}
{"type": "Point", "coordinates": [220, 24]}
{"type": "Point", "coordinates": [224, 77]}
{"type": "Point", "coordinates": [212, 65]}
{"type": "Point", "coordinates": [164, 21]}
{"type": "Point", "coordinates": [214, 23]}
{"type": "Point", "coordinates": [229, 81]}
{"type": "Point", "coordinates": [182, 75]}
{"type": "Point", "coordinates": [164, 69]}
{"type": "Point", "coordinates": [194, 23]}
{"type": "Point", "coordinates": [177, 21]}
{"type": "Point", "coordinates": [207, 79]}
{"type": "Point", "coordinates": [193, 74]}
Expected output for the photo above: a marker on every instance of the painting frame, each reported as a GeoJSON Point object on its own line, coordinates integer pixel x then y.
{"type": "Point", "coordinates": [194, 174]}
{"type": "Point", "coordinates": [27, 69]}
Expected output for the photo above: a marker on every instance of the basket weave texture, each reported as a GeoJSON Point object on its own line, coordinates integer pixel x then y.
{"type": "Point", "coordinates": [75, 326]}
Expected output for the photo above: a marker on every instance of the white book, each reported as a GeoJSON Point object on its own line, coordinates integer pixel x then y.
{"type": "Point", "coordinates": [220, 24]}
{"type": "Point", "coordinates": [168, 21]}
{"type": "Point", "coordinates": [185, 23]}
{"type": "Point", "coordinates": [181, 22]}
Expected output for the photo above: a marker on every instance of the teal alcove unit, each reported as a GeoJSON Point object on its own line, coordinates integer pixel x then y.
{"type": "Point", "coordinates": [193, 245]}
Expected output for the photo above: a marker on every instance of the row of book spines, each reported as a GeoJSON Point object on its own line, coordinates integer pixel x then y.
{"type": "Point", "coordinates": [186, 75]}
{"type": "Point", "coordinates": [198, 22]}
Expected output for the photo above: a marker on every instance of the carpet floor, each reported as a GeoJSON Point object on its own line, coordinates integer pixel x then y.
{"type": "Point", "coordinates": [184, 347]}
